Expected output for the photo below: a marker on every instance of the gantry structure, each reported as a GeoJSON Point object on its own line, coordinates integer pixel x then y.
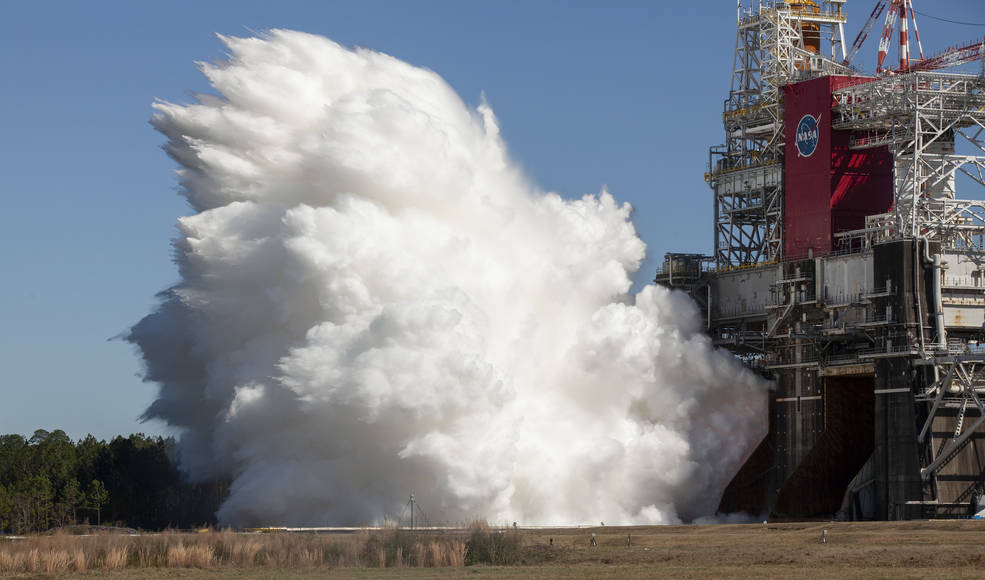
{"type": "Point", "coordinates": [775, 44]}
{"type": "Point", "coordinates": [875, 338]}
{"type": "Point", "coordinates": [924, 118]}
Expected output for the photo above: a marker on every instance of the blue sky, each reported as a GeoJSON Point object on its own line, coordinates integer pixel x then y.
{"type": "Point", "coordinates": [626, 94]}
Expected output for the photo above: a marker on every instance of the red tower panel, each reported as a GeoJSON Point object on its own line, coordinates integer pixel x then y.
{"type": "Point", "coordinates": [828, 187]}
{"type": "Point", "coordinates": [861, 183]}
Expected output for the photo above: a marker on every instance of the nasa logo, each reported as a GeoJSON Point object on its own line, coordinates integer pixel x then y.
{"type": "Point", "coordinates": [807, 135]}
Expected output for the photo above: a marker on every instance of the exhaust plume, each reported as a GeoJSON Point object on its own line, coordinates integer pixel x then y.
{"type": "Point", "coordinates": [374, 301]}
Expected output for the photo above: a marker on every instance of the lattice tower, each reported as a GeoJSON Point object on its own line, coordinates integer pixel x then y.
{"type": "Point", "coordinates": [746, 173]}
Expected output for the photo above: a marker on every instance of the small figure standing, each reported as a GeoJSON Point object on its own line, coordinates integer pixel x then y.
{"type": "Point", "coordinates": [629, 540]}
{"type": "Point", "coordinates": [551, 541]}
{"type": "Point", "coordinates": [824, 536]}
{"type": "Point", "coordinates": [594, 543]}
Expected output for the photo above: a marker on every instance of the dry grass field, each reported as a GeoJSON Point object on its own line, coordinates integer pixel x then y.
{"type": "Point", "coordinates": [891, 550]}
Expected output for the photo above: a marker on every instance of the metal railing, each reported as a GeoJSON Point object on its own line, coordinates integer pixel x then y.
{"type": "Point", "coordinates": [737, 310]}
{"type": "Point", "coordinates": [845, 298]}
{"type": "Point", "coordinates": [870, 318]}
{"type": "Point", "coordinates": [963, 282]}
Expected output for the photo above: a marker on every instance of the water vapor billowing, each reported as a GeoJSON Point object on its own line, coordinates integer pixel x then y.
{"type": "Point", "coordinates": [375, 302]}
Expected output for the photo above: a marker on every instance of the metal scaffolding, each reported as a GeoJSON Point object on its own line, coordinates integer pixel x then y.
{"type": "Point", "coordinates": [923, 117]}
{"type": "Point", "coordinates": [746, 173]}
{"type": "Point", "coordinates": [875, 343]}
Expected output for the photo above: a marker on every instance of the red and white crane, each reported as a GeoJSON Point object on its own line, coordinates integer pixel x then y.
{"type": "Point", "coordinates": [902, 11]}
{"type": "Point", "coordinates": [864, 33]}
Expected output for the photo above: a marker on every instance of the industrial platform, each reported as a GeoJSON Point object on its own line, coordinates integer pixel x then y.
{"type": "Point", "coordinates": [847, 270]}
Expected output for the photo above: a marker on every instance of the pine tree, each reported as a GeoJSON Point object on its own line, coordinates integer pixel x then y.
{"type": "Point", "coordinates": [72, 497]}
{"type": "Point", "coordinates": [98, 497]}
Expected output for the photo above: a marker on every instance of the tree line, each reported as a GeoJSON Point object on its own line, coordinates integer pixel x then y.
{"type": "Point", "coordinates": [49, 481]}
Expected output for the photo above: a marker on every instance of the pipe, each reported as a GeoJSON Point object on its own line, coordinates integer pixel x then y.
{"type": "Point", "coordinates": [916, 294]}
{"type": "Point", "coordinates": [938, 301]}
{"type": "Point", "coordinates": [709, 305]}
{"type": "Point", "coordinates": [758, 129]}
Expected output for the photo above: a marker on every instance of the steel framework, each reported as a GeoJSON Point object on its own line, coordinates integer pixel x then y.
{"type": "Point", "coordinates": [922, 117]}
{"type": "Point", "coordinates": [925, 119]}
{"type": "Point", "coordinates": [746, 173]}
{"type": "Point", "coordinates": [961, 381]}
{"type": "Point", "coordinates": [898, 304]}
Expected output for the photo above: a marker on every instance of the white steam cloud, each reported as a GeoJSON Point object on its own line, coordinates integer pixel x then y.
{"type": "Point", "coordinates": [375, 302]}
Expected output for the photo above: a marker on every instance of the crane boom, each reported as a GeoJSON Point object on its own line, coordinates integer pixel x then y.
{"type": "Point", "coordinates": [864, 33]}
{"type": "Point", "coordinates": [954, 56]}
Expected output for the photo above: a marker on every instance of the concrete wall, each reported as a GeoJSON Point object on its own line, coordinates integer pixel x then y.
{"type": "Point", "coordinates": [846, 276]}
{"type": "Point", "coordinates": [742, 291]}
{"type": "Point", "coordinates": [962, 285]}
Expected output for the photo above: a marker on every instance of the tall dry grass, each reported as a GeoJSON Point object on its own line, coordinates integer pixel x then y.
{"type": "Point", "coordinates": [190, 555]}
{"type": "Point", "coordinates": [116, 557]}
{"type": "Point", "coordinates": [63, 553]}
{"type": "Point", "coordinates": [487, 545]}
